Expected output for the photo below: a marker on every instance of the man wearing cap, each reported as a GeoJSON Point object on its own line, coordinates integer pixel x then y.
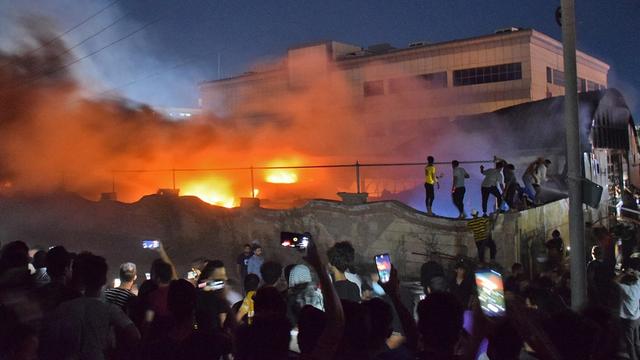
{"type": "Point", "coordinates": [480, 227]}
{"type": "Point", "coordinates": [123, 294]}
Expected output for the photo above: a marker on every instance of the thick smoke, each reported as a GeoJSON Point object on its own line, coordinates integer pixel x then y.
{"type": "Point", "coordinates": [57, 138]}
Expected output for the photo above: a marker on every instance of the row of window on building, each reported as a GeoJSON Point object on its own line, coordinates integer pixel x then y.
{"type": "Point", "coordinates": [556, 77]}
{"type": "Point", "coordinates": [462, 77]}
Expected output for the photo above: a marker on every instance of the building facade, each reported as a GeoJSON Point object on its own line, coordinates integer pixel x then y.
{"type": "Point", "coordinates": [444, 80]}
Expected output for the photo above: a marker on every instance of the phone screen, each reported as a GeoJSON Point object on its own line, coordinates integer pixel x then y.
{"type": "Point", "coordinates": [383, 263]}
{"type": "Point", "coordinates": [150, 244]}
{"type": "Point", "coordinates": [293, 240]}
{"type": "Point", "coordinates": [490, 292]}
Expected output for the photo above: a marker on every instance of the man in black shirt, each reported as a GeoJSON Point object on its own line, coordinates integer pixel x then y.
{"type": "Point", "coordinates": [242, 261]}
{"type": "Point", "coordinates": [341, 255]}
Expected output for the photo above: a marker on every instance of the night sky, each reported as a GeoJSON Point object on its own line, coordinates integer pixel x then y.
{"type": "Point", "coordinates": [163, 63]}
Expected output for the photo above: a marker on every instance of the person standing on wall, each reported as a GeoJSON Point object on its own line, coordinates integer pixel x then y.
{"type": "Point", "coordinates": [492, 180]}
{"type": "Point", "coordinates": [430, 181]}
{"type": "Point", "coordinates": [458, 190]}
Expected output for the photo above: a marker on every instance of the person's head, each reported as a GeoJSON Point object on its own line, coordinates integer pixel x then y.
{"type": "Point", "coordinates": [58, 263]}
{"type": "Point", "coordinates": [381, 316]}
{"type": "Point", "coordinates": [128, 272]}
{"type": "Point", "coordinates": [440, 319]}
{"type": "Point", "coordinates": [555, 234]}
{"type": "Point", "coordinates": [429, 271]}
{"type": "Point", "coordinates": [161, 272]}
{"type": "Point", "coordinates": [214, 270]}
{"type": "Point", "coordinates": [251, 282]}
{"type": "Point", "coordinates": [474, 213]}
{"type": "Point", "coordinates": [341, 256]}
{"type": "Point", "coordinates": [511, 167]}
{"type": "Point", "coordinates": [271, 272]}
{"type": "Point", "coordinates": [257, 250]}
{"type": "Point", "coordinates": [300, 274]}
{"type": "Point", "coordinates": [267, 337]}
{"type": "Point", "coordinates": [181, 300]}
{"type": "Point", "coordinates": [430, 160]}
{"type": "Point", "coordinates": [311, 323]}
{"type": "Point", "coordinates": [499, 164]}
{"type": "Point", "coordinates": [596, 253]}
{"type": "Point", "coordinates": [504, 342]}
{"type": "Point", "coordinates": [14, 255]}
{"type": "Point", "coordinates": [91, 272]}
{"type": "Point", "coordinates": [547, 162]}
{"type": "Point", "coordinates": [517, 269]}
{"type": "Point", "coordinates": [247, 249]}
{"type": "Point", "coordinates": [40, 259]}
{"type": "Point", "coordinates": [269, 301]}
{"type": "Point", "coordinates": [455, 164]}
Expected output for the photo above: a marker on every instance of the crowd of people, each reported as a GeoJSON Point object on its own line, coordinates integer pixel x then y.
{"type": "Point", "coordinates": [499, 182]}
{"type": "Point", "coordinates": [53, 305]}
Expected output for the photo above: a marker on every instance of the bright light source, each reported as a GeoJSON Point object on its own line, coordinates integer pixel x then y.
{"type": "Point", "coordinates": [281, 177]}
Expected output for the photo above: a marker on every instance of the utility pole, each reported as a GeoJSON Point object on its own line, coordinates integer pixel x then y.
{"type": "Point", "coordinates": [574, 157]}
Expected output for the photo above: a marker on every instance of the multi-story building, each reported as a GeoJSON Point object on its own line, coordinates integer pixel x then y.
{"type": "Point", "coordinates": [458, 77]}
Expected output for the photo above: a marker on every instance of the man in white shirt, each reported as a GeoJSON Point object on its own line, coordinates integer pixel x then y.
{"type": "Point", "coordinates": [630, 312]}
{"type": "Point", "coordinates": [458, 190]}
{"type": "Point", "coordinates": [492, 180]}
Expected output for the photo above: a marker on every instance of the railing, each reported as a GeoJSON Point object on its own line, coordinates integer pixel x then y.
{"type": "Point", "coordinates": [357, 166]}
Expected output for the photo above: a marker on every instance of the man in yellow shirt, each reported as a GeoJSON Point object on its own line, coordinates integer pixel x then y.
{"type": "Point", "coordinates": [430, 180]}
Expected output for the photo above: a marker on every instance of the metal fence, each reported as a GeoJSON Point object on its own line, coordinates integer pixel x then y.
{"type": "Point", "coordinates": [356, 168]}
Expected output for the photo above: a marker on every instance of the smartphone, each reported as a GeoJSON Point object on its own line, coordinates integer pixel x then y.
{"type": "Point", "coordinates": [294, 240]}
{"type": "Point", "coordinates": [490, 293]}
{"type": "Point", "coordinates": [116, 283]}
{"type": "Point", "coordinates": [147, 275]}
{"type": "Point", "coordinates": [383, 264]}
{"type": "Point", "coordinates": [191, 275]}
{"type": "Point", "coordinates": [212, 285]}
{"type": "Point", "coordinates": [150, 244]}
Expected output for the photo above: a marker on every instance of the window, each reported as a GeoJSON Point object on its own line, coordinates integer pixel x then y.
{"type": "Point", "coordinates": [592, 86]}
{"type": "Point", "coordinates": [582, 85]}
{"type": "Point", "coordinates": [558, 77]}
{"type": "Point", "coordinates": [487, 74]}
{"type": "Point", "coordinates": [373, 88]}
{"type": "Point", "coordinates": [549, 76]}
{"type": "Point", "coordinates": [416, 83]}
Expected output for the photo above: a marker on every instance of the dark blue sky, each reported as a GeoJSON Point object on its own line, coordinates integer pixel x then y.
{"type": "Point", "coordinates": [245, 32]}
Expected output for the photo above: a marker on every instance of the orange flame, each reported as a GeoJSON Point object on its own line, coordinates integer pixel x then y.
{"type": "Point", "coordinates": [281, 177]}
{"type": "Point", "coordinates": [214, 191]}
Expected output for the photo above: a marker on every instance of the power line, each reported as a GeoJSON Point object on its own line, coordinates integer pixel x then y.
{"type": "Point", "coordinates": [65, 66]}
{"type": "Point", "coordinates": [61, 35]}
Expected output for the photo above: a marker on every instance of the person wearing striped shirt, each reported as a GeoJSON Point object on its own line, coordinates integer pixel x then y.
{"type": "Point", "coordinates": [480, 227]}
{"type": "Point", "coordinates": [122, 295]}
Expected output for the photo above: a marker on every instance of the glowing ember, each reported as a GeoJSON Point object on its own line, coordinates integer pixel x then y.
{"type": "Point", "coordinates": [281, 177]}
{"type": "Point", "coordinates": [212, 190]}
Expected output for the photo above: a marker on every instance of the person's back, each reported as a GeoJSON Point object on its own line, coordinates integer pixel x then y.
{"type": "Point", "coordinates": [440, 324]}
{"type": "Point", "coordinates": [122, 295]}
{"type": "Point", "coordinates": [81, 328]}
{"type": "Point", "coordinates": [492, 177]}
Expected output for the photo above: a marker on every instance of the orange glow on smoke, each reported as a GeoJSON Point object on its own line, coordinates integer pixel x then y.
{"type": "Point", "coordinates": [211, 190]}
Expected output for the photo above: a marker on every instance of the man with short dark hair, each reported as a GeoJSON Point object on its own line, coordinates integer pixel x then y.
{"type": "Point", "coordinates": [255, 262]}
{"type": "Point", "coordinates": [430, 180]}
{"type": "Point", "coordinates": [493, 180]}
{"type": "Point", "coordinates": [341, 255]}
{"type": "Point", "coordinates": [271, 272]}
{"type": "Point", "coordinates": [123, 294]}
{"type": "Point", "coordinates": [458, 190]}
{"type": "Point", "coordinates": [481, 229]}
{"type": "Point", "coordinates": [81, 328]}
{"type": "Point", "coordinates": [58, 263]}
{"type": "Point", "coordinates": [39, 262]}
{"type": "Point", "coordinates": [242, 261]}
